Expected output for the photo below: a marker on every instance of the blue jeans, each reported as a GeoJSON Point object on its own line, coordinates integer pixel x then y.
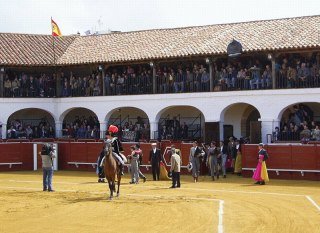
{"type": "Point", "coordinates": [47, 178]}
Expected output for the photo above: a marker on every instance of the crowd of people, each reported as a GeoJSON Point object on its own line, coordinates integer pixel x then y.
{"type": "Point", "coordinates": [18, 130]}
{"type": "Point", "coordinates": [128, 81]}
{"type": "Point", "coordinates": [89, 128]}
{"type": "Point", "coordinates": [88, 85]}
{"type": "Point", "coordinates": [299, 126]}
{"type": "Point", "coordinates": [188, 77]}
{"type": "Point", "coordinates": [25, 85]}
{"type": "Point", "coordinates": [292, 71]}
{"type": "Point", "coordinates": [82, 128]}
{"type": "Point", "coordinates": [138, 131]}
{"type": "Point", "coordinates": [172, 129]}
{"type": "Point", "coordinates": [217, 157]}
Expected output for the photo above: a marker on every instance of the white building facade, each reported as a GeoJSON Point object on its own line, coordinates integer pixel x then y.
{"type": "Point", "coordinates": [223, 108]}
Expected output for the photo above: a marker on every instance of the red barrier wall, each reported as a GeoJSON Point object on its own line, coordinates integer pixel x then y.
{"type": "Point", "coordinates": [16, 152]}
{"type": "Point", "coordinates": [297, 157]}
{"type": "Point", "coordinates": [85, 152]}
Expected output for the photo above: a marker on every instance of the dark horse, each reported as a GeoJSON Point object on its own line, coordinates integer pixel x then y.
{"type": "Point", "coordinates": [111, 170]}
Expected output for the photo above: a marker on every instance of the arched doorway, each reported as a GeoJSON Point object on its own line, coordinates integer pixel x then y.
{"type": "Point", "coordinates": [180, 123]}
{"type": "Point", "coordinates": [31, 123]}
{"type": "Point", "coordinates": [241, 120]}
{"type": "Point", "coordinates": [80, 123]}
{"type": "Point", "coordinates": [133, 123]}
{"type": "Point", "coordinates": [298, 119]}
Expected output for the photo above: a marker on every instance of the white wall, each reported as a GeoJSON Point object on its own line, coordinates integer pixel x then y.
{"type": "Point", "coordinates": [32, 116]}
{"type": "Point", "coordinates": [269, 103]}
{"type": "Point", "coordinates": [133, 113]}
{"type": "Point", "coordinates": [233, 117]}
{"type": "Point", "coordinates": [80, 112]}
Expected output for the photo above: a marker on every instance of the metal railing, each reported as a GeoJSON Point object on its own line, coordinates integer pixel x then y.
{"type": "Point", "coordinates": [143, 84]}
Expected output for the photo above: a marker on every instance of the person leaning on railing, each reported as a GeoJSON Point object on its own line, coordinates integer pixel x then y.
{"type": "Point", "coordinates": [303, 75]}
{"type": "Point", "coordinates": [7, 87]}
{"type": "Point", "coordinates": [305, 134]}
{"type": "Point", "coordinates": [316, 133]}
{"type": "Point", "coordinates": [16, 87]}
{"type": "Point", "coordinates": [315, 75]}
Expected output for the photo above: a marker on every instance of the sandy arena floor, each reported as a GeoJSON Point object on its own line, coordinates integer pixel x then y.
{"type": "Point", "coordinates": [228, 205]}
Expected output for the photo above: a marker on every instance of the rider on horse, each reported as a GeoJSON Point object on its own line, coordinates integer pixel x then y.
{"type": "Point", "coordinates": [116, 147]}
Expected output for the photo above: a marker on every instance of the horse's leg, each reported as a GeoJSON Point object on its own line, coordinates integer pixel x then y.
{"type": "Point", "coordinates": [111, 189]}
{"type": "Point", "coordinates": [119, 180]}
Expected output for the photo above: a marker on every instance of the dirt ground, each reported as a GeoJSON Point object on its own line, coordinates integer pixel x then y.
{"type": "Point", "coordinates": [80, 204]}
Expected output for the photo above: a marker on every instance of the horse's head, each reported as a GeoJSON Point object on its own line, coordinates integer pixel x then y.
{"type": "Point", "coordinates": [108, 147]}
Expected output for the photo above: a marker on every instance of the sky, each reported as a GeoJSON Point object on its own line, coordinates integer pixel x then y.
{"type": "Point", "coordinates": [72, 16]}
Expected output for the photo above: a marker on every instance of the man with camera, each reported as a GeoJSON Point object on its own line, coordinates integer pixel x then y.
{"type": "Point", "coordinates": [47, 156]}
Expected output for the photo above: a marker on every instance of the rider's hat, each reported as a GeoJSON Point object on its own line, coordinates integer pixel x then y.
{"type": "Point", "coordinates": [113, 129]}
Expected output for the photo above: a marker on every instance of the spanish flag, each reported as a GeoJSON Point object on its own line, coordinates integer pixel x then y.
{"type": "Point", "coordinates": [55, 29]}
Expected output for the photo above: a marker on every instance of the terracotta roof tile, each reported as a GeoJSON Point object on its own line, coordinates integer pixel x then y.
{"type": "Point", "coordinates": [25, 49]}
{"type": "Point", "coordinates": [280, 34]}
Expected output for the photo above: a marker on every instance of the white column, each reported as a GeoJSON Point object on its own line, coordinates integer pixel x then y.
{"type": "Point", "coordinates": [221, 130]}
{"type": "Point", "coordinates": [4, 131]}
{"type": "Point", "coordinates": [58, 125]}
{"type": "Point", "coordinates": [267, 127]}
{"type": "Point", "coordinates": [153, 129]}
{"type": "Point", "coordinates": [103, 129]}
{"type": "Point", "coordinates": [35, 156]}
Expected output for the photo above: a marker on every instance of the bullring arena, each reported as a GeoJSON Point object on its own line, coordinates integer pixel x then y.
{"type": "Point", "coordinates": [80, 204]}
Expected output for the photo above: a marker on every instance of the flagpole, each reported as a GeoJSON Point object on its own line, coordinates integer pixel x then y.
{"type": "Point", "coordinates": [54, 60]}
{"type": "Point", "coordinates": [53, 40]}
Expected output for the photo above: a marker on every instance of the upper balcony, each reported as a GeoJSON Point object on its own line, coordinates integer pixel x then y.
{"type": "Point", "coordinates": [286, 71]}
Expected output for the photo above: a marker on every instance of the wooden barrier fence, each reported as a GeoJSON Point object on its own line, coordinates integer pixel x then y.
{"type": "Point", "coordinates": [75, 155]}
{"type": "Point", "coordinates": [286, 161]}
{"type": "Point", "coordinates": [292, 161]}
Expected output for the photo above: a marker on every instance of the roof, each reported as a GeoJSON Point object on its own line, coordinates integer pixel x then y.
{"type": "Point", "coordinates": [268, 35]}
{"type": "Point", "coordinates": [28, 49]}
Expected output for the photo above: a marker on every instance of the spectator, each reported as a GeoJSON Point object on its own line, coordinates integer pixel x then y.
{"type": "Point", "coordinates": [16, 87]}
{"type": "Point", "coordinates": [303, 75]}
{"type": "Point", "coordinates": [197, 80]}
{"type": "Point", "coordinates": [164, 82]}
{"type": "Point", "coordinates": [33, 87]}
{"type": "Point", "coordinates": [11, 132]}
{"type": "Point", "coordinates": [189, 81]}
{"type": "Point", "coordinates": [316, 133]}
{"type": "Point", "coordinates": [51, 133]}
{"type": "Point", "coordinates": [291, 77]}
{"type": "Point", "coordinates": [29, 131]}
{"type": "Point", "coordinates": [305, 134]}
{"type": "Point", "coordinates": [205, 81]}
{"type": "Point", "coordinates": [175, 168]}
{"type": "Point", "coordinates": [256, 78]}
{"type": "Point", "coordinates": [266, 78]}
{"type": "Point", "coordinates": [7, 88]}
{"type": "Point", "coordinates": [113, 84]}
{"type": "Point", "coordinates": [96, 89]}
{"type": "Point", "coordinates": [241, 78]}
{"type": "Point", "coordinates": [276, 134]}
{"type": "Point", "coordinates": [43, 132]}
{"type": "Point", "coordinates": [65, 90]}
